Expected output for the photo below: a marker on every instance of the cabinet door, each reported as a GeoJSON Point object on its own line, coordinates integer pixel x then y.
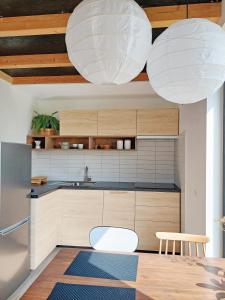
{"type": "Point", "coordinates": [45, 218]}
{"type": "Point", "coordinates": [156, 211]}
{"type": "Point", "coordinates": [78, 122]}
{"type": "Point", "coordinates": [158, 121]}
{"type": "Point", "coordinates": [81, 211]}
{"type": "Point", "coordinates": [146, 233]}
{"type": "Point", "coordinates": [119, 209]}
{"type": "Point", "coordinates": [117, 123]}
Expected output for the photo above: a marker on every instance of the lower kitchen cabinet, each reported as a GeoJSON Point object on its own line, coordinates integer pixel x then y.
{"type": "Point", "coordinates": [81, 210]}
{"type": "Point", "coordinates": [119, 209]}
{"type": "Point", "coordinates": [65, 217]}
{"type": "Point", "coordinates": [156, 211]}
{"type": "Point", "coordinates": [45, 216]}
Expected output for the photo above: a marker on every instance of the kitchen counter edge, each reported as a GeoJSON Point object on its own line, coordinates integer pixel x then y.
{"type": "Point", "coordinates": [39, 191]}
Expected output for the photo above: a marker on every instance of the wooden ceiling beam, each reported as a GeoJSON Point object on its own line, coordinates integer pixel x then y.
{"type": "Point", "coordinates": [35, 61]}
{"type": "Point", "coordinates": [207, 11]}
{"type": "Point", "coordinates": [62, 79]}
{"type": "Point", "coordinates": [33, 25]}
{"type": "Point", "coordinates": [161, 16]}
{"type": "Point", "coordinates": [6, 77]}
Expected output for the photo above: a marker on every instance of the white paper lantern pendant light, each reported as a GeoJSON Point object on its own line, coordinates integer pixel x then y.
{"type": "Point", "coordinates": [108, 41]}
{"type": "Point", "coordinates": [187, 61]}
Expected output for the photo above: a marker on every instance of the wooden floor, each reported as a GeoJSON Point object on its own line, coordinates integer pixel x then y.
{"type": "Point", "coordinates": [158, 277]}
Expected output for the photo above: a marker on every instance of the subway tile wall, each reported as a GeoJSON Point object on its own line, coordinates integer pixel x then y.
{"type": "Point", "coordinates": [152, 162]}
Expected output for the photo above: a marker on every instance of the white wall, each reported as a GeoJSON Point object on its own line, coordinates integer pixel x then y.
{"type": "Point", "coordinates": [214, 173]}
{"type": "Point", "coordinates": [15, 113]}
{"type": "Point", "coordinates": [106, 102]}
{"type": "Point", "coordinates": [193, 127]}
{"type": "Point", "coordinates": [180, 173]}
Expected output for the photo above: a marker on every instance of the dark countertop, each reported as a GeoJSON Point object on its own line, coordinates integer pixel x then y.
{"type": "Point", "coordinates": [38, 191]}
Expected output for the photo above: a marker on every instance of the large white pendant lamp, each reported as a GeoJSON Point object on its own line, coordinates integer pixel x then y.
{"type": "Point", "coordinates": [187, 61]}
{"type": "Point", "coordinates": [108, 41]}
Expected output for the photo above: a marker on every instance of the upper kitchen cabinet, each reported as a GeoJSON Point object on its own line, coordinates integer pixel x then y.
{"type": "Point", "coordinates": [79, 122]}
{"type": "Point", "coordinates": [158, 121]}
{"type": "Point", "coordinates": [117, 123]}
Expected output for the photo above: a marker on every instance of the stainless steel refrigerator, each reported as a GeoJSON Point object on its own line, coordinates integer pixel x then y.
{"type": "Point", "coordinates": [14, 216]}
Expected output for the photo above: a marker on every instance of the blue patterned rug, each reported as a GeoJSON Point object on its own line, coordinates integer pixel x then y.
{"type": "Point", "coordinates": [64, 291]}
{"type": "Point", "coordinates": [104, 265]}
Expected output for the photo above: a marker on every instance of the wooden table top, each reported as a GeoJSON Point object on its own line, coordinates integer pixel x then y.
{"type": "Point", "coordinates": [158, 277]}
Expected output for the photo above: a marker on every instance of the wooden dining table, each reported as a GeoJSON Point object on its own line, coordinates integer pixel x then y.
{"type": "Point", "coordinates": [159, 277]}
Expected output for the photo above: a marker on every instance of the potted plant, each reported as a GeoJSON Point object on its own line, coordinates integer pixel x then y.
{"type": "Point", "coordinates": [45, 124]}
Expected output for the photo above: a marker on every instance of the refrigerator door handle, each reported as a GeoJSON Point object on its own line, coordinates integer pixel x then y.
{"type": "Point", "coordinates": [12, 228]}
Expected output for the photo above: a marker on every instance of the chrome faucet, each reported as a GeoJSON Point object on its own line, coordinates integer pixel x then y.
{"type": "Point", "coordinates": [86, 178]}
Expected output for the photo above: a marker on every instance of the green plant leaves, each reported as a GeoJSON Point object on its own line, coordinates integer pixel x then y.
{"type": "Point", "coordinates": [44, 121]}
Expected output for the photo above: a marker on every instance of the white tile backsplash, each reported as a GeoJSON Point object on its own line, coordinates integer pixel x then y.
{"type": "Point", "coordinates": [152, 162]}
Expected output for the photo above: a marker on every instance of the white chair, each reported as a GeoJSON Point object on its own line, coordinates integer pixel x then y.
{"type": "Point", "coordinates": [183, 238]}
{"type": "Point", "coordinates": [116, 239]}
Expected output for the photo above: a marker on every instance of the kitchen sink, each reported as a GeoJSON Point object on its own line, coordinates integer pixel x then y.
{"type": "Point", "coordinates": [84, 183]}
{"type": "Point", "coordinates": [77, 184]}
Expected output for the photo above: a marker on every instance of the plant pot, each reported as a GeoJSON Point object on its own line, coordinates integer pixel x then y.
{"type": "Point", "coordinates": [50, 131]}
{"type": "Point", "coordinates": [47, 131]}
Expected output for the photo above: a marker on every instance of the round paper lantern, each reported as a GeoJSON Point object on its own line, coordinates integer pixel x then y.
{"type": "Point", "coordinates": [187, 61]}
{"type": "Point", "coordinates": [108, 41]}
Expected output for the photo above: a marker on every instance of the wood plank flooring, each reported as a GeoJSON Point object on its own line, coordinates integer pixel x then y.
{"type": "Point", "coordinates": [158, 277]}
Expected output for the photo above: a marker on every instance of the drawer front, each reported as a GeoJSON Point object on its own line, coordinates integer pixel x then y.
{"type": "Point", "coordinates": [162, 214]}
{"type": "Point", "coordinates": [119, 201]}
{"type": "Point", "coordinates": [158, 199]}
{"type": "Point", "coordinates": [146, 232]}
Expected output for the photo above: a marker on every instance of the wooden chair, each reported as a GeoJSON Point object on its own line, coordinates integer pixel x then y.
{"type": "Point", "coordinates": [183, 238]}
{"type": "Point", "coordinates": [106, 238]}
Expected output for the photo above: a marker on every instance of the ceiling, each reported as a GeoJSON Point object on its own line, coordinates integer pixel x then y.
{"type": "Point", "coordinates": [32, 35]}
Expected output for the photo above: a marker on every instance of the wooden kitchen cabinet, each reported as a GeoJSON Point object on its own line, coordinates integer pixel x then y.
{"type": "Point", "coordinates": [81, 210]}
{"type": "Point", "coordinates": [119, 209]}
{"type": "Point", "coordinates": [117, 122]}
{"type": "Point", "coordinates": [45, 216]}
{"type": "Point", "coordinates": [158, 121]}
{"type": "Point", "coordinates": [156, 211]}
{"type": "Point", "coordinates": [78, 122]}
{"type": "Point", "coordinates": [65, 217]}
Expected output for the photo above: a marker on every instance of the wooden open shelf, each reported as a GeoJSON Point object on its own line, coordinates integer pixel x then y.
{"type": "Point", "coordinates": [89, 142]}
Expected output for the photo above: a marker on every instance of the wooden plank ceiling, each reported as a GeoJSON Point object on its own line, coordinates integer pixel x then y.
{"type": "Point", "coordinates": [32, 35]}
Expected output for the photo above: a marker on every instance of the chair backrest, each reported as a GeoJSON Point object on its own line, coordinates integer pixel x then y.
{"type": "Point", "coordinates": [183, 238]}
{"type": "Point", "coordinates": [113, 239]}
